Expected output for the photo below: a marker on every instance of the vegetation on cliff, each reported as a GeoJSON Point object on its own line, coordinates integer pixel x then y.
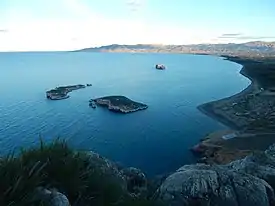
{"type": "Point", "coordinates": [54, 174]}
{"type": "Point", "coordinates": [77, 175]}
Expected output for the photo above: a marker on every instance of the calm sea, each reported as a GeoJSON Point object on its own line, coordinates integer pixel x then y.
{"type": "Point", "coordinates": [157, 140]}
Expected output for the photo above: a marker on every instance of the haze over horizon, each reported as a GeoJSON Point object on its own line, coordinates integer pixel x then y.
{"type": "Point", "coordinates": [53, 25]}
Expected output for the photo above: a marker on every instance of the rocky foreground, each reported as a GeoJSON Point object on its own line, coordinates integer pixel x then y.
{"type": "Point", "coordinates": [249, 181]}
{"type": "Point", "coordinates": [118, 104]}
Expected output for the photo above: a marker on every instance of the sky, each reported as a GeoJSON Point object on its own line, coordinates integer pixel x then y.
{"type": "Point", "coordinates": [57, 25]}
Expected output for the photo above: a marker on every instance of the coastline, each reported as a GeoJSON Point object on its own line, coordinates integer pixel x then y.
{"type": "Point", "coordinates": [208, 110]}
{"type": "Point", "coordinates": [248, 115]}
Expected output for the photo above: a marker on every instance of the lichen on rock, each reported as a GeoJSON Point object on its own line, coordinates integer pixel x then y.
{"type": "Point", "coordinates": [243, 182]}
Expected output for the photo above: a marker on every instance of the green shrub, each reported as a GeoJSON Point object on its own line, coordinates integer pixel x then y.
{"type": "Point", "coordinates": [55, 165]}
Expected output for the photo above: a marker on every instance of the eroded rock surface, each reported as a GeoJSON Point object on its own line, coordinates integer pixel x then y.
{"type": "Point", "coordinates": [243, 182]}
{"type": "Point", "coordinates": [131, 179]}
{"type": "Point", "coordinates": [51, 197]}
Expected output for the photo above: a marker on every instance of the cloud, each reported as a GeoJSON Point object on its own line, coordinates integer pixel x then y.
{"type": "Point", "coordinates": [229, 35]}
{"type": "Point", "coordinates": [239, 36]}
{"type": "Point", "coordinates": [82, 26]}
{"type": "Point", "coordinates": [255, 37]}
{"type": "Point", "coordinates": [135, 5]}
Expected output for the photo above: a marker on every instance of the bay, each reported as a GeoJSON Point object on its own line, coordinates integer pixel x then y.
{"type": "Point", "coordinates": [156, 140]}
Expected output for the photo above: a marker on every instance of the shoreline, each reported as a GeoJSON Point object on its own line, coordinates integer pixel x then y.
{"type": "Point", "coordinates": [247, 114]}
{"type": "Point", "coordinates": [208, 110]}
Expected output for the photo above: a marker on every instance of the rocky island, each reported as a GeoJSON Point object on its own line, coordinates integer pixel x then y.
{"type": "Point", "coordinates": [62, 92]}
{"type": "Point", "coordinates": [249, 114]}
{"type": "Point", "coordinates": [118, 104]}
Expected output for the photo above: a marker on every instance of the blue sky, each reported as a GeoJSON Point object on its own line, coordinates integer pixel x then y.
{"type": "Point", "coordinates": [71, 24]}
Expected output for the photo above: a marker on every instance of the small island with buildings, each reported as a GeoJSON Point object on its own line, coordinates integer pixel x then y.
{"type": "Point", "coordinates": [119, 104]}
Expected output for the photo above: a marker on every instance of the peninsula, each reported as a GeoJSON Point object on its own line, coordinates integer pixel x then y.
{"type": "Point", "coordinates": [62, 92]}
{"type": "Point", "coordinates": [119, 104]}
{"type": "Point", "coordinates": [250, 114]}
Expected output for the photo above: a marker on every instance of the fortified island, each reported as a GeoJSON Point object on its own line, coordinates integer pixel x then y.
{"type": "Point", "coordinates": [118, 104]}
{"type": "Point", "coordinates": [62, 92]}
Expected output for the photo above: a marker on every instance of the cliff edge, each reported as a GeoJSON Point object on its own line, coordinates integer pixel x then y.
{"type": "Point", "coordinates": [249, 181]}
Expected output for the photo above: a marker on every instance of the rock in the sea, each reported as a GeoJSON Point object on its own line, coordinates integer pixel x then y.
{"type": "Point", "coordinates": [92, 104]}
{"type": "Point", "coordinates": [119, 104]}
{"type": "Point", "coordinates": [249, 181]}
{"type": "Point", "coordinates": [160, 67]}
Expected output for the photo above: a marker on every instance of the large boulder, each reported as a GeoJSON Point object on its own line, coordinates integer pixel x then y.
{"type": "Point", "coordinates": [136, 181]}
{"type": "Point", "coordinates": [243, 182]}
{"type": "Point", "coordinates": [51, 197]}
{"type": "Point", "coordinates": [260, 164]}
{"type": "Point", "coordinates": [131, 180]}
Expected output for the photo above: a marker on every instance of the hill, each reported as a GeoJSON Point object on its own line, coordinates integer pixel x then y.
{"type": "Point", "coordinates": [257, 48]}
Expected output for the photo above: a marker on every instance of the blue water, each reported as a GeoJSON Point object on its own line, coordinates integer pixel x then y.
{"type": "Point", "coordinates": [157, 140]}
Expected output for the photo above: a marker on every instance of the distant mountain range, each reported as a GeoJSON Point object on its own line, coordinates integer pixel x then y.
{"type": "Point", "coordinates": [258, 48]}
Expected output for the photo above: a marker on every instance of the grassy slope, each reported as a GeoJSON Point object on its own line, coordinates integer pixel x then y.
{"type": "Point", "coordinates": [55, 165]}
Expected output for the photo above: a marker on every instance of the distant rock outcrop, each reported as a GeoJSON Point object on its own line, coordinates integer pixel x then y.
{"type": "Point", "coordinates": [249, 181]}
{"type": "Point", "coordinates": [160, 67]}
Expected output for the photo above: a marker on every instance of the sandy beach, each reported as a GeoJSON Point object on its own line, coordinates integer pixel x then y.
{"type": "Point", "coordinates": [214, 109]}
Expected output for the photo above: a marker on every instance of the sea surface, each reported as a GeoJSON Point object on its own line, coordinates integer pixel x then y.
{"type": "Point", "coordinates": [156, 140]}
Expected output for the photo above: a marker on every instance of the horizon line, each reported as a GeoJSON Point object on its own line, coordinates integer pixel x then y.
{"type": "Point", "coordinates": [153, 44]}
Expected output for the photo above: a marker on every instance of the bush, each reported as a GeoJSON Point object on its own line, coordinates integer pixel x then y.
{"type": "Point", "coordinates": [55, 165]}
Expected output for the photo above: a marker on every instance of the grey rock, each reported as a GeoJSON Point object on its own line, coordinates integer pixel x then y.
{"type": "Point", "coordinates": [136, 181]}
{"type": "Point", "coordinates": [261, 165]}
{"type": "Point", "coordinates": [235, 184]}
{"type": "Point", "coordinates": [51, 197]}
{"type": "Point", "coordinates": [132, 180]}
